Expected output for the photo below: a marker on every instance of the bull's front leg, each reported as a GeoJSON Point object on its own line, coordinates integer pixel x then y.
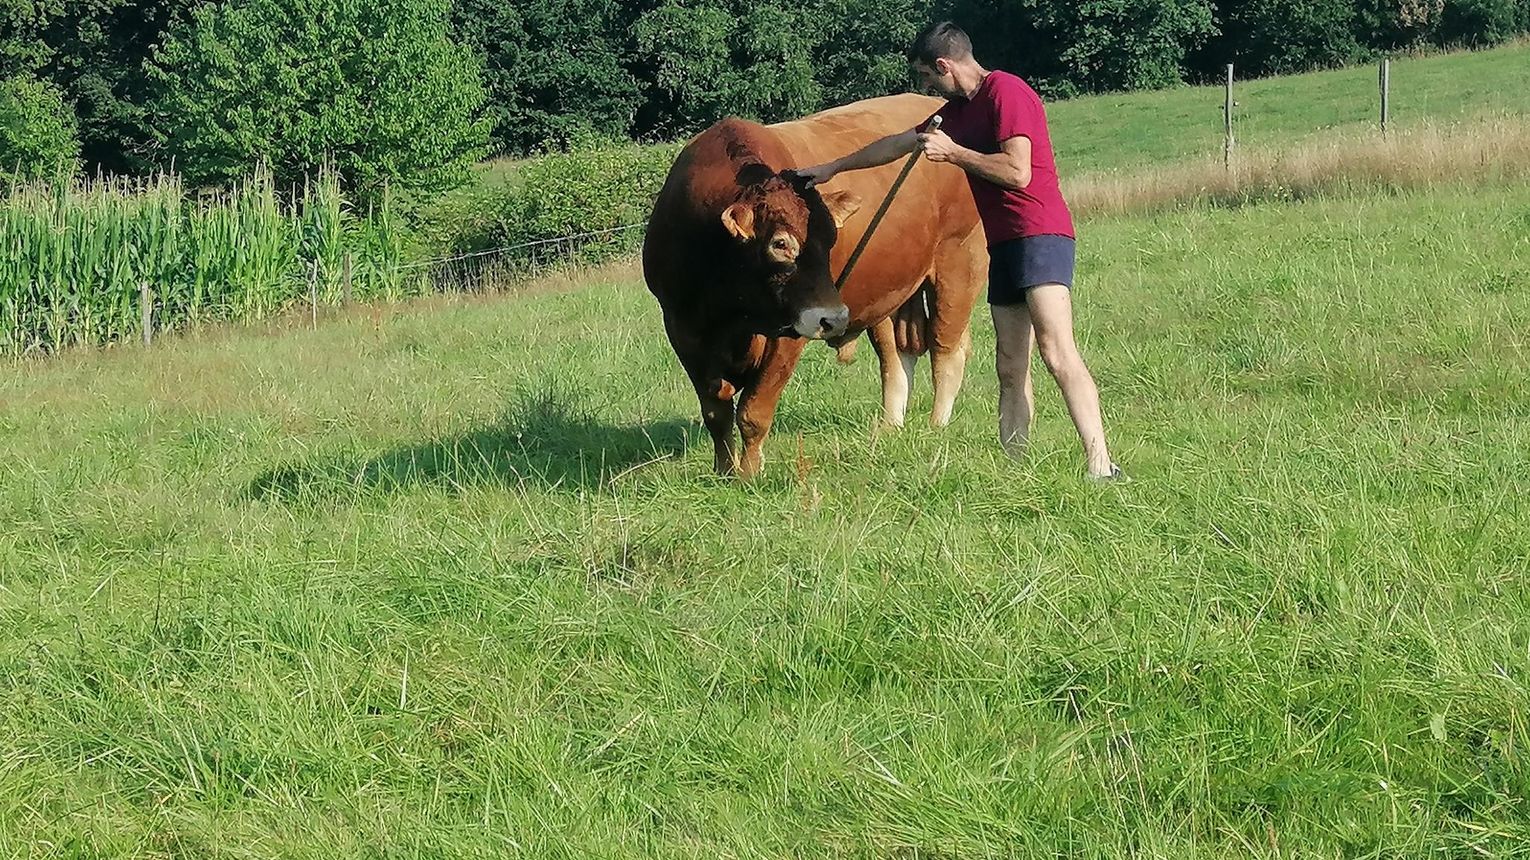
{"type": "Point", "coordinates": [718, 414]}
{"type": "Point", "coordinates": [757, 405]}
{"type": "Point", "coordinates": [713, 390]}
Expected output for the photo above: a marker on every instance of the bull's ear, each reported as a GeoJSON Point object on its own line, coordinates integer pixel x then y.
{"type": "Point", "coordinates": [739, 219]}
{"type": "Point", "coordinates": [841, 205]}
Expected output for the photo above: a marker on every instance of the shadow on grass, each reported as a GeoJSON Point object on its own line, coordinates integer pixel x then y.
{"type": "Point", "coordinates": [548, 440]}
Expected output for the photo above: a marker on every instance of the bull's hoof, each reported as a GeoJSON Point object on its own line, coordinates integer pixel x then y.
{"type": "Point", "coordinates": [846, 352]}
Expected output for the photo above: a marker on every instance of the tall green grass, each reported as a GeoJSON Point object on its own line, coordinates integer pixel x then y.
{"type": "Point", "coordinates": [456, 581]}
{"type": "Point", "coordinates": [74, 256]}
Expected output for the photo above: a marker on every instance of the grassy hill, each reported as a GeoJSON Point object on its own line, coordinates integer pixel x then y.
{"type": "Point", "coordinates": [1138, 130]}
{"type": "Point", "coordinates": [453, 580]}
{"type": "Point", "coordinates": [1113, 137]}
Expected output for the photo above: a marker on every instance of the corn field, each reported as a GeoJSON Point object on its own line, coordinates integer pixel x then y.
{"type": "Point", "coordinates": [75, 256]}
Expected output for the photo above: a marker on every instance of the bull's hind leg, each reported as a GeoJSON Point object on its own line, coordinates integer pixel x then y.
{"type": "Point", "coordinates": [757, 405]}
{"type": "Point", "coordinates": [960, 270]}
{"type": "Point", "coordinates": [948, 367]}
{"type": "Point", "coordinates": [897, 372]}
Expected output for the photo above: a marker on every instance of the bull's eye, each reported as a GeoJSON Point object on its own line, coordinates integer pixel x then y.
{"type": "Point", "coordinates": [783, 249]}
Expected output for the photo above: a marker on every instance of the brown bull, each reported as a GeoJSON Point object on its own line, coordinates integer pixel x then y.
{"type": "Point", "coordinates": [742, 257]}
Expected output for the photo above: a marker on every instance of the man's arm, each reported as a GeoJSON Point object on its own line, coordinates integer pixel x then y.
{"type": "Point", "coordinates": [874, 154]}
{"type": "Point", "coordinates": [1009, 168]}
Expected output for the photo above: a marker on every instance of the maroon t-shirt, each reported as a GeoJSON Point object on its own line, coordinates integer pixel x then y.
{"type": "Point", "coordinates": [1003, 107]}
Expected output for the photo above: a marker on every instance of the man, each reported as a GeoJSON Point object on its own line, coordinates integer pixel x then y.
{"type": "Point", "coordinates": [994, 127]}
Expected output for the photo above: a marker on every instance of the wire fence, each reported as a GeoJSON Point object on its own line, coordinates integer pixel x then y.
{"type": "Point", "coordinates": [508, 266]}
{"type": "Point", "coordinates": [567, 241]}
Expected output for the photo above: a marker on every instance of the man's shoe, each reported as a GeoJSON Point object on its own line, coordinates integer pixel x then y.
{"type": "Point", "coordinates": [1115, 476]}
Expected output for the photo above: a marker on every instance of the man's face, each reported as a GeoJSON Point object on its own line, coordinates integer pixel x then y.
{"type": "Point", "coordinates": [938, 78]}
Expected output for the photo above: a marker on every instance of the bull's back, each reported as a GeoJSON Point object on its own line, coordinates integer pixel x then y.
{"type": "Point", "coordinates": [831, 133]}
{"type": "Point", "coordinates": [933, 205]}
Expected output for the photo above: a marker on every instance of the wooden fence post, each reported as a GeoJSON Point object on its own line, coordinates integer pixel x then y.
{"type": "Point", "coordinates": [1227, 115]}
{"type": "Point", "coordinates": [1386, 94]}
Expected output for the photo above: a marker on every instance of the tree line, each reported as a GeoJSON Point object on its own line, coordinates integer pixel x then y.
{"type": "Point", "coordinates": [409, 93]}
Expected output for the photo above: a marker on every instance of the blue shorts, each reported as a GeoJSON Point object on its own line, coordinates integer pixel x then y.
{"type": "Point", "coordinates": [1020, 264]}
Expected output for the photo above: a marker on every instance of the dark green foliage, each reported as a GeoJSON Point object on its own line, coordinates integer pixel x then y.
{"type": "Point", "coordinates": [555, 71]}
{"type": "Point", "coordinates": [1271, 37]}
{"type": "Point", "coordinates": [861, 50]}
{"type": "Point", "coordinates": [1391, 24]}
{"type": "Point", "coordinates": [706, 60]}
{"type": "Point", "coordinates": [1482, 22]}
{"type": "Point", "coordinates": [396, 91]}
{"type": "Point", "coordinates": [1124, 44]}
{"type": "Point", "coordinates": [93, 51]}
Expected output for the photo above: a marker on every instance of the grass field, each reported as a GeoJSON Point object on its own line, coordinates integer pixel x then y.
{"type": "Point", "coordinates": [1131, 131]}
{"type": "Point", "coordinates": [453, 580]}
{"type": "Point", "coordinates": [1127, 131]}
{"type": "Point", "coordinates": [1114, 140]}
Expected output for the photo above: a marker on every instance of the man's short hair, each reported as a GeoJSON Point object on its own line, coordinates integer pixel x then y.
{"type": "Point", "coordinates": [942, 40]}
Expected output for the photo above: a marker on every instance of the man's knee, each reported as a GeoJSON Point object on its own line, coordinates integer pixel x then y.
{"type": "Point", "coordinates": [1012, 364]}
{"type": "Point", "coordinates": [1012, 342]}
{"type": "Point", "coordinates": [1059, 354]}
{"type": "Point", "coordinates": [1012, 351]}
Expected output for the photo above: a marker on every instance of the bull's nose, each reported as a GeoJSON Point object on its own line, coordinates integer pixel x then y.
{"type": "Point", "coordinates": [823, 322]}
{"type": "Point", "coordinates": [834, 324]}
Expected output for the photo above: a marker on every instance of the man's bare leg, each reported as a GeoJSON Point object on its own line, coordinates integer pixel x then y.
{"type": "Point", "coordinates": [1051, 315]}
{"type": "Point", "coordinates": [1012, 334]}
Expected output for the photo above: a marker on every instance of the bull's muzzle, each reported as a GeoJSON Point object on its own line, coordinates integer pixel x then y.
{"type": "Point", "coordinates": [823, 322]}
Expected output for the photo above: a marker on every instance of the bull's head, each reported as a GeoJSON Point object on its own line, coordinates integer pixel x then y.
{"type": "Point", "coordinates": [784, 230]}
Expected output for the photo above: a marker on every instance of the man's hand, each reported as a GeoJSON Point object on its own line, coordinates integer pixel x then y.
{"type": "Point", "coordinates": [818, 174]}
{"type": "Point", "coordinates": [938, 147]}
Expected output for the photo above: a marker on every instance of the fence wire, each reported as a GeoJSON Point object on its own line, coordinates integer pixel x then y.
{"type": "Point", "coordinates": [493, 252]}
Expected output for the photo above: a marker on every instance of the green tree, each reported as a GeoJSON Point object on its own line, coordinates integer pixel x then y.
{"type": "Point", "coordinates": [555, 70]}
{"type": "Point", "coordinates": [1481, 22]}
{"type": "Point", "coordinates": [774, 49]}
{"type": "Point", "coordinates": [685, 52]}
{"type": "Point", "coordinates": [1385, 25]}
{"type": "Point", "coordinates": [38, 133]}
{"type": "Point", "coordinates": [94, 51]}
{"type": "Point", "coordinates": [1111, 45]}
{"type": "Point", "coordinates": [863, 45]}
{"type": "Point", "coordinates": [1275, 37]}
{"type": "Point", "coordinates": [713, 58]}
{"type": "Point", "coordinates": [375, 89]}
{"type": "Point", "coordinates": [1064, 47]}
